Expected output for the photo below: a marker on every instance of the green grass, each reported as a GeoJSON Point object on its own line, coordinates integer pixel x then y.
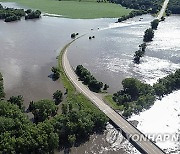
{"type": "Point", "coordinates": [75, 9]}
{"type": "Point", "coordinates": [108, 99]}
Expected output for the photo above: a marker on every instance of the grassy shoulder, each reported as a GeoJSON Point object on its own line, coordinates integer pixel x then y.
{"type": "Point", "coordinates": [76, 9]}
{"type": "Point", "coordinates": [109, 100]}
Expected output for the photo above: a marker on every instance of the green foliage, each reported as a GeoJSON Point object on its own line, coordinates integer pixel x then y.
{"type": "Point", "coordinates": [2, 94]}
{"type": "Point", "coordinates": [174, 6]}
{"type": "Point", "coordinates": [140, 53]}
{"type": "Point", "coordinates": [77, 125]}
{"type": "Point", "coordinates": [135, 96]}
{"type": "Point", "coordinates": [10, 14]}
{"type": "Point", "coordinates": [167, 84]}
{"type": "Point", "coordinates": [12, 18]}
{"type": "Point", "coordinates": [132, 14]}
{"type": "Point", "coordinates": [17, 100]}
{"type": "Point", "coordinates": [73, 35]}
{"type": "Point", "coordinates": [152, 6]}
{"type": "Point", "coordinates": [148, 35]}
{"type": "Point", "coordinates": [19, 135]}
{"type": "Point", "coordinates": [43, 109]}
{"type": "Point", "coordinates": [33, 14]}
{"type": "Point", "coordinates": [105, 87]}
{"type": "Point", "coordinates": [57, 96]}
{"type": "Point", "coordinates": [55, 72]}
{"type": "Point", "coordinates": [154, 24]}
{"type": "Point", "coordinates": [85, 76]}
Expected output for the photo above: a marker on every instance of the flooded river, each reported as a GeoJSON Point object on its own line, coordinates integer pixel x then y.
{"type": "Point", "coordinates": [29, 50]}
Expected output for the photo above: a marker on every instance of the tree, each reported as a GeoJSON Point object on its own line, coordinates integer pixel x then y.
{"type": "Point", "coordinates": [55, 71]}
{"type": "Point", "coordinates": [43, 109]}
{"type": "Point", "coordinates": [106, 87]}
{"type": "Point", "coordinates": [160, 89]}
{"type": "Point", "coordinates": [149, 34]}
{"type": "Point", "coordinates": [57, 96]}
{"type": "Point", "coordinates": [154, 24]}
{"type": "Point", "coordinates": [17, 100]}
{"type": "Point", "coordinates": [2, 94]}
{"type": "Point", "coordinates": [73, 35]}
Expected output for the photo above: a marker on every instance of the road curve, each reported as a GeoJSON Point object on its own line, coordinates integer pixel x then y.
{"type": "Point", "coordinates": [145, 146]}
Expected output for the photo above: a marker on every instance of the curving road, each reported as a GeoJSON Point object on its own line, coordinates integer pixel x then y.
{"type": "Point", "coordinates": [145, 146]}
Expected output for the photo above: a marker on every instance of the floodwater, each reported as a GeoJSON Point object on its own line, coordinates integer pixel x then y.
{"type": "Point", "coordinates": [109, 57]}
{"type": "Point", "coordinates": [29, 50]}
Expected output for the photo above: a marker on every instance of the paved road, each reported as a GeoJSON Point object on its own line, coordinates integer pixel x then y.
{"type": "Point", "coordinates": [126, 127]}
{"type": "Point", "coordinates": [163, 9]}
{"type": "Point", "coordinates": [146, 145]}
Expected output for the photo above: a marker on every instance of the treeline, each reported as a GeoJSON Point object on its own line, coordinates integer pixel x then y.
{"type": "Point", "coordinates": [32, 14]}
{"type": "Point", "coordinates": [174, 6]}
{"type": "Point", "coordinates": [151, 6]}
{"type": "Point", "coordinates": [148, 36]}
{"type": "Point", "coordinates": [132, 14]}
{"type": "Point", "coordinates": [49, 130]}
{"type": "Point", "coordinates": [11, 14]}
{"type": "Point", "coordinates": [88, 79]}
{"type": "Point", "coordinates": [2, 94]}
{"type": "Point", "coordinates": [136, 96]}
{"type": "Point", "coordinates": [167, 84]}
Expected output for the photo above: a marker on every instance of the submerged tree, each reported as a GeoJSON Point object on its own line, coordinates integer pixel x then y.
{"type": "Point", "coordinates": [154, 24]}
{"type": "Point", "coordinates": [148, 35]}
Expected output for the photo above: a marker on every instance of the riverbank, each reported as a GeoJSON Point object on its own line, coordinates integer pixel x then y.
{"type": "Point", "coordinates": [76, 9]}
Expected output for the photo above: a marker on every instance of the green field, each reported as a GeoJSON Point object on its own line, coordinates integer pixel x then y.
{"type": "Point", "coordinates": [75, 9]}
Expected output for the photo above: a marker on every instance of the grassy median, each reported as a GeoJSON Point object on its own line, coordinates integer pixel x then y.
{"type": "Point", "coordinates": [82, 9]}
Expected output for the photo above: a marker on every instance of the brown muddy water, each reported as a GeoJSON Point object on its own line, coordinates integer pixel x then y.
{"type": "Point", "coordinates": [29, 50]}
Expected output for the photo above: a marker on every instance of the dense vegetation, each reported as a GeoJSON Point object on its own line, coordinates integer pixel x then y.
{"type": "Point", "coordinates": [136, 96]}
{"type": "Point", "coordinates": [88, 79]}
{"type": "Point", "coordinates": [2, 94]}
{"type": "Point", "coordinates": [174, 6]}
{"type": "Point", "coordinates": [131, 15]}
{"type": "Point", "coordinates": [11, 14]}
{"type": "Point", "coordinates": [151, 6]}
{"type": "Point", "coordinates": [55, 72]}
{"type": "Point", "coordinates": [19, 135]}
{"type": "Point", "coordinates": [154, 24]}
{"type": "Point", "coordinates": [167, 84]}
{"type": "Point", "coordinates": [140, 53]}
{"type": "Point", "coordinates": [32, 14]}
{"type": "Point", "coordinates": [79, 119]}
{"type": "Point", "coordinates": [148, 35]}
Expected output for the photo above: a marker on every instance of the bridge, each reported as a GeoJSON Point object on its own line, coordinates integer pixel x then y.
{"type": "Point", "coordinates": [145, 146]}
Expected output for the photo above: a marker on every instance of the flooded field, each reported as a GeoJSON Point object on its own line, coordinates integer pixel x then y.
{"type": "Point", "coordinates": [29, 50]}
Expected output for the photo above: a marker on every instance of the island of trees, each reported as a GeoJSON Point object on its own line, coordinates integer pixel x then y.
{"type": "Point", "coordinates": [137, 96]}
{"type": "Point", "coordinates": [148, 36]}
{"type": "Point", "coordinates": [11, 14]}
{"type": "Point", "coordinates": [88, 79]}
{"type": "Point", "coordinates": [49, 130]}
